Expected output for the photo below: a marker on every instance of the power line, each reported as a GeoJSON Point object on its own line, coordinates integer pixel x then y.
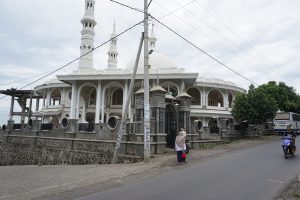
{"type": "Point", "coordinates": [149, 3]}
{"type": "Point", "coordinates": [181, 7]}
{"type": "Point", "coordinates": [229, 50]}
{"type": "Point", "coordinates": [191, 25]}
{"type": "Point", "coordinates": [20, 80]}
{"type": "Point", "coordinates": [240, 38]}
{"type": "Point", "coordinates": [210, 56]}
{"type": "Point", "coordinates": [215, 30]}
{"type": "Point", "coordinates": [136, 9]}
{"type": "Point", "coordinates": [82, 55]}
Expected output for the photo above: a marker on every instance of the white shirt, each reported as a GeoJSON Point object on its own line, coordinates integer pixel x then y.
{"type": "Point", "coordinates": [178, 148]}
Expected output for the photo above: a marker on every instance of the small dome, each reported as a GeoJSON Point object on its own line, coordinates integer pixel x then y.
{"type": "Point", "coordinates": [183, 94]}
{"type": "Point", "coordinates": [156, 60]}
{"type": "Point", "coordinates": [158, 88]}
{"type": "Point", "coordinates": [140, 91]}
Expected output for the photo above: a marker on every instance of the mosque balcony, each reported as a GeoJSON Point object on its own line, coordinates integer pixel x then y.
{"type": "Point", "coordinates": [210, 113]}
{"type": "Point", "coordinates": [88, 31]}
{"type": "Point", "coordinates": [92, 106]}
{"type": "Point", "coordinates": [215, 108]}
{"type": "Point", "coordinates": [113, 110]}
{"type": "Point", "coordinates": [196, 107]}
{"type": "Point", "coordinates": [88, 19]}
{"type": "Point", "coordinates": [116, 106]}
{"type": "Point", "coordinates": [53, 107]}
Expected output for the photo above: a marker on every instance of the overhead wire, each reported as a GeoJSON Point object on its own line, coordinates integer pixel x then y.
{"type": "Point", "coordinates": [149, 3]}
{"type": "Point", "coordinates": [127, 6]}
{"type": "Point", "coordinates": [201, 50]}
{"type": "Point", "coordinates": [24, 79]}
{"type": "Point", "coordinates": [195, 46]}
{"type": "Point", "coordinates": [266, 59]}
{"type": "Point", "coordinates": [83, 55]}
{"type": "Point", "coordinates": [179, 8]}
{"type": "Point", "coordinates": [52, 72]}
{"type": "Point", "coordinates": [195, 28]}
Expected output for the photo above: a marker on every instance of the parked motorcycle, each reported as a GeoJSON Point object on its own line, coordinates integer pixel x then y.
{"type": "Point", "coordinates": [288, 146]}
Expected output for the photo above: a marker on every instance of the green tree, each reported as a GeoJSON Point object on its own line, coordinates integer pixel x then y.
{"type": "Point", "coordinates": [256, 106]}
{"type": "Point", "coordinates": [285, 96]}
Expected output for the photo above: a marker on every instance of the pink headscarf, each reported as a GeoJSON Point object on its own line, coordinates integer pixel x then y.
{"type": "Point", "coordinates": [180, 139]}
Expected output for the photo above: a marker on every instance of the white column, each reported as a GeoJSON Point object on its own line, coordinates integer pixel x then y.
{"type": "Point", "coordinates": [129, 111]}
{"type": "Point", "coordinates": [205, 98]}
{"type": "Point", "coordinates": [98, 102]}
{"type": "Point", "coordinates": [103, 105]}
{"type": "Point", "coordinates": [62, 101]}
{"type": "Point", "coordinates": [73, 101]}
{"type": "Point", "coordinates": [203, 95]}
{"type": "Point", "coordinates": [83, 114]}
{"type": "Point", "coordinates": [44, 99]}
{"type": "Point", "coordinates": [226, 102]}
{"type": "Point", "coordinates": [77, 108]}
{"type": "Point", "coordinates": [11, 107]}
{"type": "Point", "coordinates": [48, 97]}
{"type": "Point", "coordinates": [37, 104]}
{"type": "Point", "coordinates": [125, 94]}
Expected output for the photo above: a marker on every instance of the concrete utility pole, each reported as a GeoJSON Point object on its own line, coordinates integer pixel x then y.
{"type": "Point", "coordinates": [146, 88]}
{"type": "Point", "coordinates": [122, 128]}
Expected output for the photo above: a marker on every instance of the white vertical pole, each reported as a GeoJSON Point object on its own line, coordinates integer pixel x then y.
{"type": "Point", "coordinates": [122, 128]}
{"type": "Point", "coordinates": [98, 102]}
{"type": "Point", "coordinates": [146, 88]}
{"type": "Point", "coordinates": [73, 101]}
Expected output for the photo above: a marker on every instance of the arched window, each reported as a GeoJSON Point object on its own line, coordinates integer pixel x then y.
{"type": "Point", "coordinates": [194, 92]}
{"type": "Point", "coordinates": [55, 97]}
{"type": "Point", "coordinates": [117, 97]}
{"type": "Point", "coordinates": [215, 98]}
{"type": "Point", "coordinates": [92, 98]}
{"type": "Point", "coordinates": [199, 126]}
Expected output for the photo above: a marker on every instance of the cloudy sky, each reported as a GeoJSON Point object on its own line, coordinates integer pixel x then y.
{"type": "Point", "coordinates": [256, 38]}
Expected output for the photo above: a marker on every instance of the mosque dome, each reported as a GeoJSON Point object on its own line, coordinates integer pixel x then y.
{"type": "Point", "coordinates": [157, 61]}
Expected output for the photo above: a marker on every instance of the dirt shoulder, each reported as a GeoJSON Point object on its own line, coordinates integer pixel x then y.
{"type": "Point", "coordinates": [291, 191]}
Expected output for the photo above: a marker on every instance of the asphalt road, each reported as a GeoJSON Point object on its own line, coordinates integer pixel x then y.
{"type": "Point", "coordinates": [257, 173]}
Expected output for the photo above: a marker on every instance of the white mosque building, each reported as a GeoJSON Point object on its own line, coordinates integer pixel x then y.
{"type": "Point", "coordinates": [93, 99]}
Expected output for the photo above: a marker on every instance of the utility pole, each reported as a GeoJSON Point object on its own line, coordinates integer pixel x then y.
{"type": "Point", "coordinates": [146, 88]}
{"type": "Point", "coordinates": [122, 128]}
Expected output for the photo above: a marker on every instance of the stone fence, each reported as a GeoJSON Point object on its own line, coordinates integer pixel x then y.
{"type": "Point", "coordinates": [28, 150]}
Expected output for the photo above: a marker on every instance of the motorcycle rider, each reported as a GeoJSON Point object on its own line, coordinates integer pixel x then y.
{"type": "Point", "coordinates": [290, 135]}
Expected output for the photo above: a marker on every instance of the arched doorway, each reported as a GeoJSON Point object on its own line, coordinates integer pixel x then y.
{"type": "Point", "coordinates": [171, 125]}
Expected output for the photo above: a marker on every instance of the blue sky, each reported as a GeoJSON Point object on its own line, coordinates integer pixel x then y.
{"type": "Point", "coordinates": [257, 38]}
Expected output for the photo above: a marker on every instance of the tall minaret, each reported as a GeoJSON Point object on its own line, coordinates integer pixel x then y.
{"type": "Point", "coordinates": [152, 40]}
{"type": "Point", "coordinates": [112, 52]}
{"type": "Point", "coordinates": [87, 36]}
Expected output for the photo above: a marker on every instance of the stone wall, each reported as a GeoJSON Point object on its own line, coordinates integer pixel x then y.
{"type": "Point", "coordinates": [30, 150]}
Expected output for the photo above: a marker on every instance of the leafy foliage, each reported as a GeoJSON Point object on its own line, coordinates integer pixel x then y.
{"type": "Point", "coordinates": [255, 107]}
{"type": "Point", "coordinates": [285, 96]}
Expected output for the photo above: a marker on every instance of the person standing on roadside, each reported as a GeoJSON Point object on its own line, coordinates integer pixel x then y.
{"type": "Point", "coordinates": [180, 146]}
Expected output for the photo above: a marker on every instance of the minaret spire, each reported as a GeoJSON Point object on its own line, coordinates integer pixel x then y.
{"type": "Point", "coordinates": [152, 40]}
{"type": "Point", "coordinates": [112, 52]}
{"type": "Point", "coordinates": [87, 36]}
